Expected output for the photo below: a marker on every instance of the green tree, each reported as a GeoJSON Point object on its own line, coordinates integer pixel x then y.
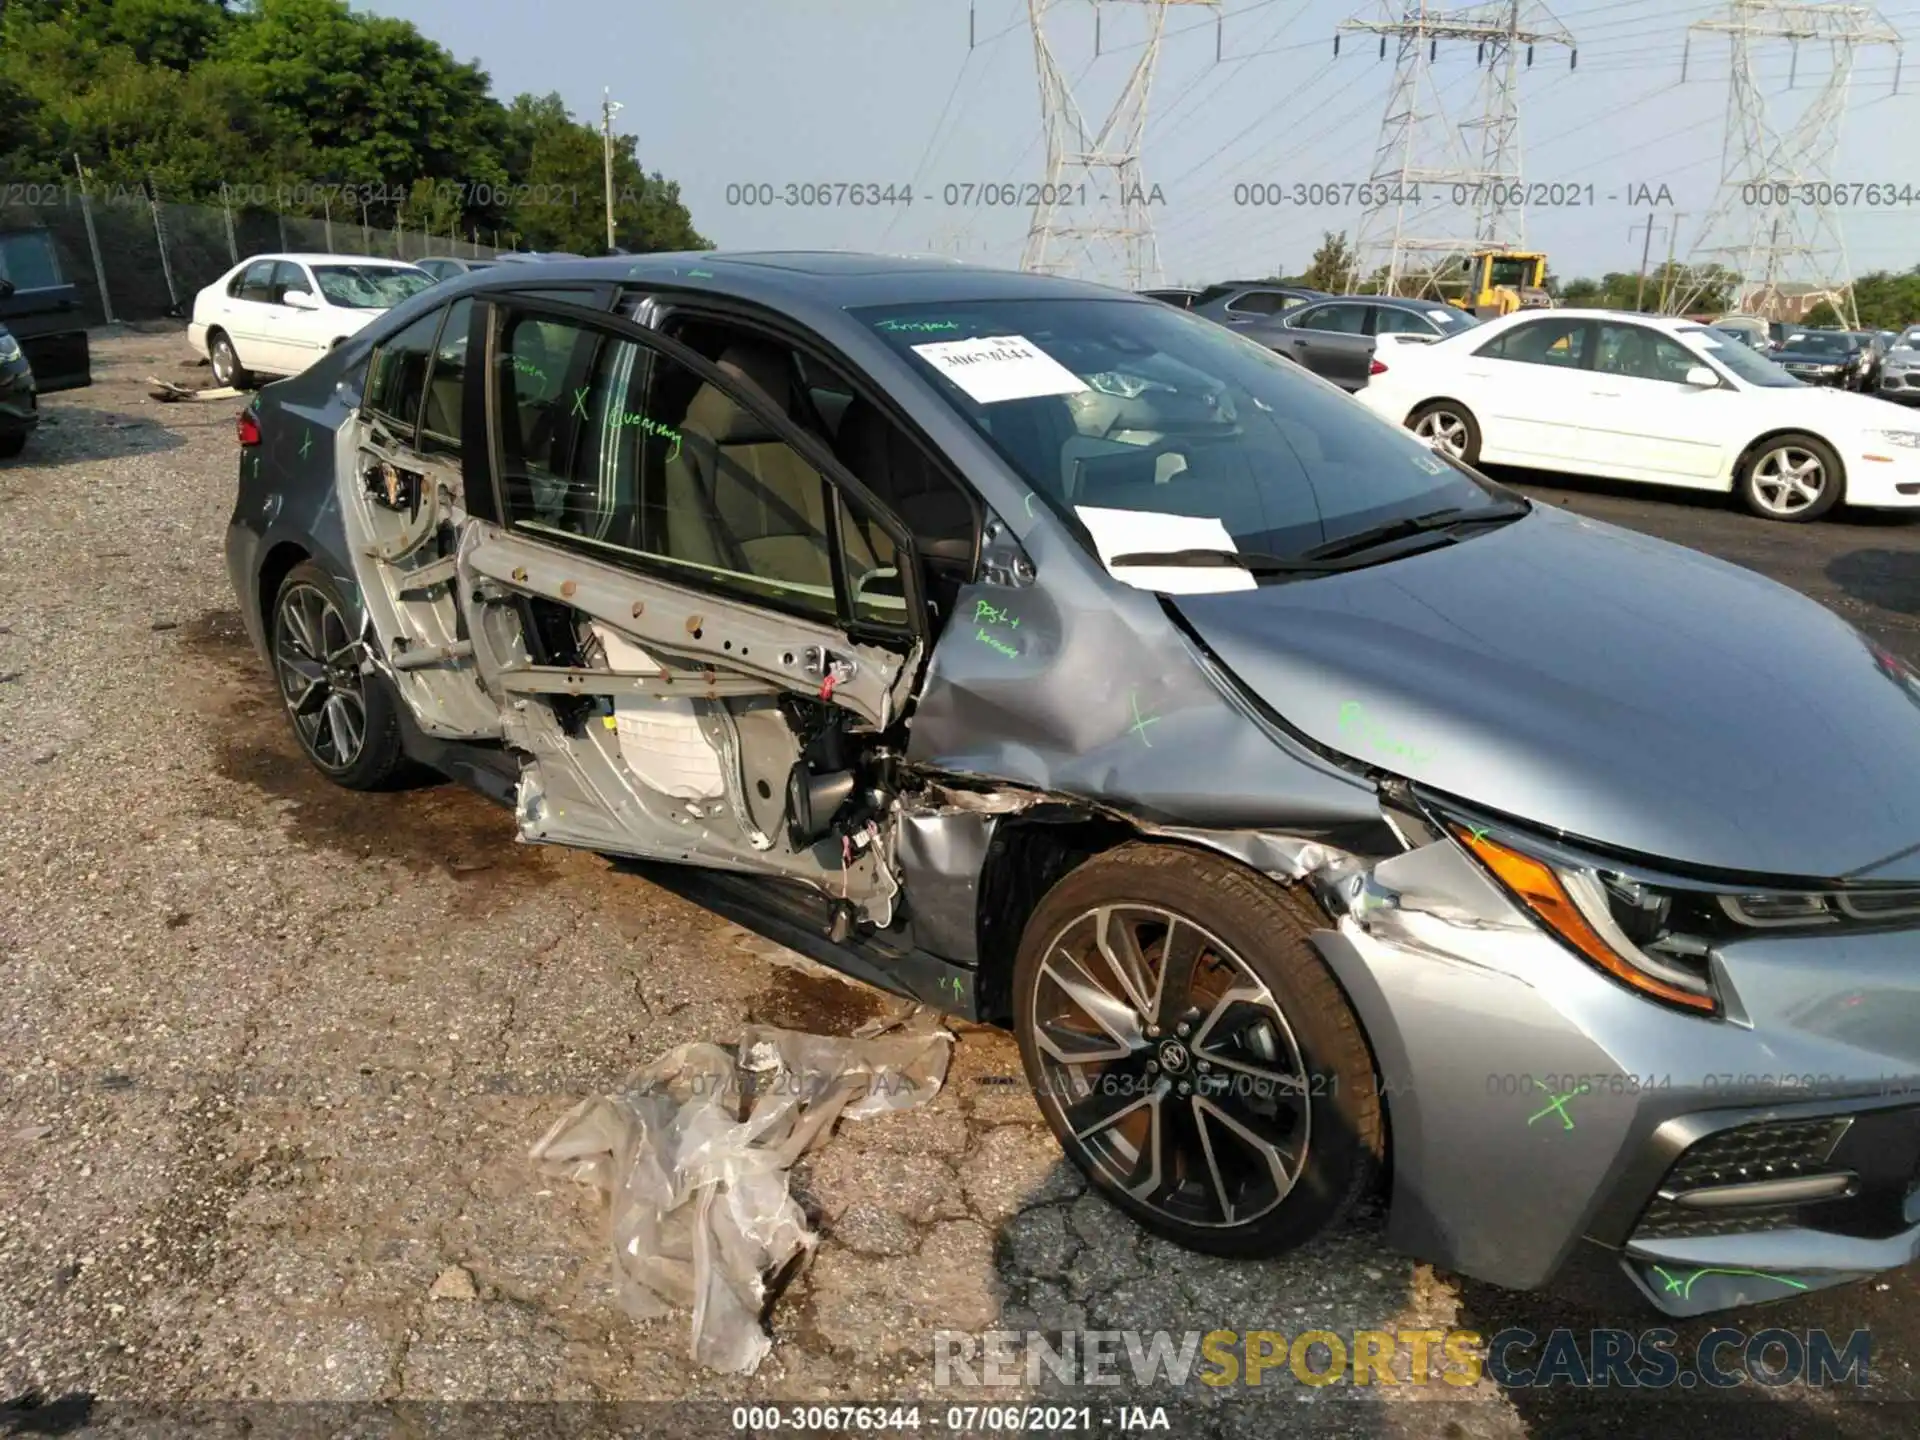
{"type": "Point", "coordinates": [1332, 264]}
{"type": "Point", "coordinates": [560, 203]}
{"type": "Point", "coordinates": [293, 99]}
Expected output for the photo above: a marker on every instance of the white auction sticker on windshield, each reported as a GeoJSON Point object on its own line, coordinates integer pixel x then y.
{"type": "Point", "coordinates": [1000, 367]}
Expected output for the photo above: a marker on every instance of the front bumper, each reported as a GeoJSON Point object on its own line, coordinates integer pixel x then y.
{"type": "Point", "coordinates": [1544, 1117]}
{"type": "Point", "coordinates": [1880, 474]}
{"type": "Point", "coordinates": [19, 402]}
{"type": "Point", "coordinates": [1900, 385]}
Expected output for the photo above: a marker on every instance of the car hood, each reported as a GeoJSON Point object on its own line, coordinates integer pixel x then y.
{"type": "Point", "coordinates": [1600, 683]}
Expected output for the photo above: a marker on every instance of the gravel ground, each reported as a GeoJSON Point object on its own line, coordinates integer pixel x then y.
{"type": "Point", "coordinates": [271, 1055]}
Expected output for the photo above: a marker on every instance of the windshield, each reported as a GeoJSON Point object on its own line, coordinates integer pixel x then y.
{"type": "Point", "coordinates": [1121, 405]}
{"type": "Point", "coordinates": [370, 287]}
{"type": "Point", "coordinates": [1822, 343]}
{"type": "Point", "coordinates": [1516, 273]}
{"type": "Point", "coordinates": [1741, 358]}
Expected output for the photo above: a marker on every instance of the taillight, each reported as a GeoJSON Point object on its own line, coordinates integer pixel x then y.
{"type": "Point", "coordinates": [247, 428]}
{"type": "Point", "coordinates": [1378, 367]}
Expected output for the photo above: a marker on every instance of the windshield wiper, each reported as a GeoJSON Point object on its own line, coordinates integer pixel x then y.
{"type": "Point", "coordinates": [1228, 559]}
{"type": "Point", "coordinates": [1412, 525]}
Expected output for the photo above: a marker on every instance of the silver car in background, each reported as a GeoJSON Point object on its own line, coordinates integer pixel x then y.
{"type": "Point", "coordinates": [1900, 370]}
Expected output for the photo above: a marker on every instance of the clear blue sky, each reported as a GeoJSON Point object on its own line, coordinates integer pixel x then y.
{"type": "Point", "coordinates": [725, 92]}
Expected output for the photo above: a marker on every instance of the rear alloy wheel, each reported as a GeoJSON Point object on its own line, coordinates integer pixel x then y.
{"type": "Point", "coordinates": [1193, 1054]}
{"type": "Point", "coordinates": [343, 718]}
{"type": "Point", "coordinates": [1795, 478]}
{"type": "Point", "coordinates": [1448, 428]}
{"type": "Point", "coordinates": [227, 368]}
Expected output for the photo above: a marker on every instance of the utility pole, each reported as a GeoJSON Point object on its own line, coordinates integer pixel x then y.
{"type": "Point", "coordinates": [1762, 225]}
{"type": "Point", "coordinates": [1094, 175]}
{"type": "Point", "coordinates": [607, 108]}
{"type": "Point", "coordinates": [1441, 190]}
{"type": "Point", "coordinates": [1667, 277]}
{"type": "Point", "coordinates": [1646, 251]}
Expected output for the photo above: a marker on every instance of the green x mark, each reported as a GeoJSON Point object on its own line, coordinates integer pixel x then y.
{"type": "Point", "coordinates": [1675, 1286]}
{"type": "Point", "coordinates": [1140, 723]}
{"type": "Point", "coordinates": [1557, 1103]}
{"type": "Point", "coordinates": [580, 401]}
{"type": "Point", "coordinates": [1479, 832]}
{"type": "Point", "coordinates": [306, 444]}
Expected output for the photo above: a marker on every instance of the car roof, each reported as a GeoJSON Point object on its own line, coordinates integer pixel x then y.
{"type": "Point", "coordinates": [308, 258]}
{"type": "Point", "coordinates": [822, 279]}
{"type": "Point", "coordinates": [1670, 324]}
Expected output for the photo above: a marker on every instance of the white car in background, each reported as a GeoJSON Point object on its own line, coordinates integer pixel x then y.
{"type": "Point", "coordinates": [1654, 399]}
{"type": "Point", "coordinates": [277, 314]}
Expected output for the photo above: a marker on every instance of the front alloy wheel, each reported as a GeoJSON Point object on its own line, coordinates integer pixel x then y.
{"type": "Point", "coordinates": [1793, 478]}
{"type": "Point", "coordinates": [1209, 1077]}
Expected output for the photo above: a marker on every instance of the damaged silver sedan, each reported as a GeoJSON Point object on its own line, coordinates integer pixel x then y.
{"type": "Point", "coordinates": [1318, 813]}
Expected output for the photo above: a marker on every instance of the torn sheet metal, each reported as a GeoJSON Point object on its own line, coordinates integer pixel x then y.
{"type": "Point", "coordinates": [1075, 692]}
{"type": "Point", "coordinates": [699, 1214]}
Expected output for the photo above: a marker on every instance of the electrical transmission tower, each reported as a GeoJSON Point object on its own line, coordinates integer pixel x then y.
{"type": "Point", "coordinates": [1774, 220]}
{"type": "Point", "coordinates": [1442, 187]}
{"type": "Point", "coordinates": [1093, 206]}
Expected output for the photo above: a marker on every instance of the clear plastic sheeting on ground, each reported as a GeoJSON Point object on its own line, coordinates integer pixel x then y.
{"type": "Point", "coordinates": [693, 1154]}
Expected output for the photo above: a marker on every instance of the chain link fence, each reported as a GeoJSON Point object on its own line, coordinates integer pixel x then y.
{"type": "Point", "coordinates": [134, 259]}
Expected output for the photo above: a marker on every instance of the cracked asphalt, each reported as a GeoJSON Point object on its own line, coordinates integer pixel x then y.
{"type": "Point", "coordinates": [272, 1055]}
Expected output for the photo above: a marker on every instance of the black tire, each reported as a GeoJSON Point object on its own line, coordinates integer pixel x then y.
{"type": "Point", "coordinates": [12, 445]}
{"type": "Point", "coordinates": [1772, 481]}
{"type": "Point", "coordinates": [227, 369]}
{"type": "Point", "coordinates": [303, 647]}
{"type": "Point", "coordinates": [1236, 916]}
{"type": "Point", "coordinates": [1452, 418]}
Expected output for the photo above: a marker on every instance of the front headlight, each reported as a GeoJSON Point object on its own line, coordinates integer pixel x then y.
{"type": "Point", "coordinates": [1623, 926]}
{"type": "Point", "coordinates": [1906, 439]}
{"type": "Point", "coordinates": [1655, 932]}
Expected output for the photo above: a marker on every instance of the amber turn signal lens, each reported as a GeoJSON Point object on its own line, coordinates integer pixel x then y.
{"type": "Point", "coordinates": [1542, 893]}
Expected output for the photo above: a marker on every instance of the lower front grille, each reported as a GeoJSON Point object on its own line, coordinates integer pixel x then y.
{"type": "Point", "coordinates": [1743, 1155]}
{"type": "Point", "coordinates": [1768, 1175]}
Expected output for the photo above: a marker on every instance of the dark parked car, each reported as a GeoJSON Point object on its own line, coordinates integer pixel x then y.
{"type": "Point", "coordinates": [1311, 807]}
{"type": "Point", "coordinates": [19, 405]}
{"type": "Point", "coordinates": [41, 306]}
{"type": "Point", "coordinates": [1825, 357]}
{"type": "Point", "coordinates": [1875, 346]}
{"type": "Point", "coordinates": [1337, 339]}
{"type": "Point", "coordinates": [445, 267]}
{"type": "Point", "coordinates": [1251, 305]}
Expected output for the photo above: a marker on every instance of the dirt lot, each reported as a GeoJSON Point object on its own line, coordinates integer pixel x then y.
{"type": "Point", "coordinates": [271, 1055]}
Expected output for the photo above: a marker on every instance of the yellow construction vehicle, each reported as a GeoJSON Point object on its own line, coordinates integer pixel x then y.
{"type": "Point", "coordinates": [1499, 282]}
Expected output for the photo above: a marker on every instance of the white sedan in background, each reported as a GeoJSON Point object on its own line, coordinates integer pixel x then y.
{"type": "Point", "coordinates": [1638, 397]}
{"type": "Point", "coordinates": [277, 314]}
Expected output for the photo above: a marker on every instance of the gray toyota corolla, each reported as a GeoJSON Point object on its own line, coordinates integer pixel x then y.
{"type": "Point", "coordinates": [1317, 812]}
